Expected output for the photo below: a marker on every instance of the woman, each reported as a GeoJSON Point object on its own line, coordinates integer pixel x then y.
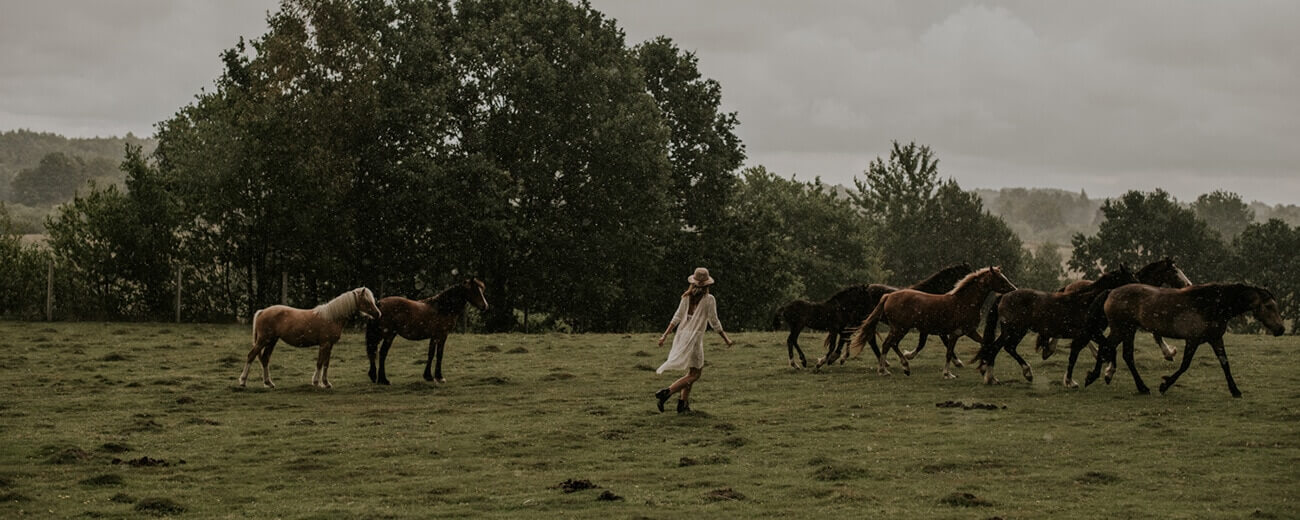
{"type": "Point", "coordinates": [697, 311]}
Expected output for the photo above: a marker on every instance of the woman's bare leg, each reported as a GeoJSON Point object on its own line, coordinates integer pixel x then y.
{"type": "Point", "coordinates": [684, 384]}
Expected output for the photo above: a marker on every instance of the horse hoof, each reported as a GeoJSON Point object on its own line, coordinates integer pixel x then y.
{"type": "Point", "coordinates": [883, 372]}
{"type": "Point", "coordinates": [384, 381]}
{"type": "Point", "coordinates": [957, 363]}
{"type": "Point", "coordinates": [949, 375]}
{"type": "Point", "coordinates": [268, 384]}
{"type": "Point", "coordinates": [442, 380]}
{"type": "Point", "coordinates": [1069, 383]}
{"type": "Point", "coordinates": [428, 377]}
{"type": "Point", "coordinates": [326, 385]}
{"type": "Point", "coordinates": [1170, 356]}
{"type": "Point", "coordinates": [909, 354]}
{"type": "Point", "coordinates": [1236, 395]}
{"type": "Point", "coordinates": [1144, 391]}
{"type": "Point", "coordinates": [1163, 388]}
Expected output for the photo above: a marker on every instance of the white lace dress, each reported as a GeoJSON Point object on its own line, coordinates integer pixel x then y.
{"type": "Point", "coordinates": [688, 342]}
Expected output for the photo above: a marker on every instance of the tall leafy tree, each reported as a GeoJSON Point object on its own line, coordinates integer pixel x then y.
{"type": "Point", "coordinates": [54, 180]}
{"type": "Point", "coordinates": [22, 272]}
{"type": "Point", "coordinates": [1142, 227]}
{"type": "Point", "coordinates": [1266, 256]}
{"type": "Point", "coordinates": [924, 224]}
{"type": "Point", "coordinates": [1224, 212]}
{"type": "Point", "coordinates": [1044, 269]}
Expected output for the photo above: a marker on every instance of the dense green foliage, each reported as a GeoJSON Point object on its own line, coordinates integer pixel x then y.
{"type": "Point", "coordinates": [925, 224]}
{"type": "Point", "coordinates": [524, 413]}
{"type": "Point", "coordinates": [1142, 227]}
{"type": "Point", "coordinates": [22, 272]}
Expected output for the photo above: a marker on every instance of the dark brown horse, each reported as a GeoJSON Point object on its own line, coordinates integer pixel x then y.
{"type": "Point", "coordinates": [844, 310]}
{"type": "Point", "coordinates": [949, 315]}
{"type": "Point", "coordinates": [305, 328]}
{"type": "Point", "coordinates": [1055, 314]}
{"type": "Point", "coordinates": [1198, 314]}
{"type": "Point", "coordinates": [430, 318]}
{"type": "Point", "coordinates": [1160, 273]}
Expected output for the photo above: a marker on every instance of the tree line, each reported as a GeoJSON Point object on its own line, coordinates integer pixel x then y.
{"type": "Point", "coordinates": [406, 145]}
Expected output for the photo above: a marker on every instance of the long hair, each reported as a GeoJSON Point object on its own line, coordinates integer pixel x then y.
{"type": "Point", "coordinates": [695, 293]}
{"type": "Point", "coordinates": [340, 307]}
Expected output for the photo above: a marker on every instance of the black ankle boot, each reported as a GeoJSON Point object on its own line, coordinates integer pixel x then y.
{"type": "Point", "coordinates": [683, 407]}
{"type": "Point", "coordinates": [663, 396]}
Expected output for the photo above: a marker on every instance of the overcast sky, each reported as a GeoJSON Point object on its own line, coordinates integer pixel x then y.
{"type": "Point", "coordinates": [1106, 97]}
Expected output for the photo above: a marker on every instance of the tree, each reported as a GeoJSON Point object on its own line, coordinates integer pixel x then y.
{"type": "Point", "coordinates": [22, 272]}
{"type": "Point", "coordinates": [1225, 213]}
{"type": "Point", "coordinates": [1265, 254]}
{"type": "Point", "coordinates": [782, 239]}
{"type": "Point", "coordinates": [924, 224]}
{"type": "Point", "coordinates": [1139, 228]}
{"type": "Point", "coordinates": [55, 180]}
{"type": "Point", "coordinates": [1043, 270]}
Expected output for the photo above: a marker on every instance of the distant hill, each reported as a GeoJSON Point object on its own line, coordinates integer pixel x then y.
{"type": "Point", "coordinates": [23, 149]}
{"type": "Point", "coordinates": [1040, 215]}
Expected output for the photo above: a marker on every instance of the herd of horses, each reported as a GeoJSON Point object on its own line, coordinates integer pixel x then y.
{"type": "Point", "coordinates": [950, 304]}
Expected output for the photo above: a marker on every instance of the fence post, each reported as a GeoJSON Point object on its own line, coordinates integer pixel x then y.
{"type": "Point", "coordinates": [284, 287]}
{"type": "Point", "coordinates": [49, 293]}
{"type": "Point", "coordinates": [178, 293]}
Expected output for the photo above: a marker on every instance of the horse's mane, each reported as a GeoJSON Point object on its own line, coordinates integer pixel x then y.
{"type": "Point", "coordinates": [968, 279]}
{"type": "Point", "coordinates": [341, 306]}
{"type": "Point", "coordinates": [1224, 301]}
{"type": "Point", "coordinates": [942, 280]}
{"type": "Point", "coordinates": [1150, 269]}
{"type": "Point", "coordinates": [451, 300]}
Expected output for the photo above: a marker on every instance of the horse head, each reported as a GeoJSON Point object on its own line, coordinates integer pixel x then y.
{"type": "Point", "coordinates": [474, 294]}
{"type": "Point", "coordinates": [1113, 279]}
{"type": "Point", "coordinates": [998, 281]}
{"type": "Point", "coordinates": [1164, 272]}
{"type": "Point", "coordinates": [366, 303]}
{"type": "Point", "coordinates": [1266, 311]}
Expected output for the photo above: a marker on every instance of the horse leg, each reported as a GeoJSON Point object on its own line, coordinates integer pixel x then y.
{"type": "Point", "coordinates": [949, 342]}
{"type": "Point", "coordinates": [792, 344]}
{"type": "Point", "coordinates": [428, 364]}
{"type": "Point", "coordinates": [437, 369]}
{"type": "Point", "coordinates": [1188, 352]}
{"type": "Point", "coordinates": [1046, 345]}
{"type": "Point", "coordinates": [1076, 347]}
{"type": "Point", "coordinates": [1008, 341]}
{"type": "Point", "coordinates": [1165, 349]}
{"type": "Point", "coordinates": [323, 361]}
{"type": "Point", "coordinates": [266, 363]}
{"type": "Point", "coordinates": [1105, 348]}
{"type": "Point", "coordinates": [372, 352]}
{"type": "Point", "coordinates": [1132, 367]}
{"type": "Point", "coordinates": [1010, 347]}
{"type": "Point", "coordinates": [1217, 345]}
{"type": "Point", "coordinates": [252, 354]}
{"type": "Point", "coordinates": [895, 335]}
{"type": "Point", "coordinates": [381, 376]}
{"type": "Point", "coordinates": [920, 344]}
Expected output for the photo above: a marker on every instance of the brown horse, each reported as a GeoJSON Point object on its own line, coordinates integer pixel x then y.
{"type": "Point", "coordinates": [1198, 314]}
{"type": "Point", "coordinates": [1056, 314]}
{"type": "Point", "coordinates": [304, 328]}
{"type": "Point", "coordinates": [430, 318]}
{"type": "Point", "coordinates": [950, 315]}
{"type": "Point", "coordinates": [1160, 273]}
{"type": "Point", "coordinates": [844, 310]}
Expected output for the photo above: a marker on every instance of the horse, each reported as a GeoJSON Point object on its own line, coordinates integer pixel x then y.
{"type": "Point", "coordinates": [1159, 273]}
{"type": "Point", "coordinates": [304, 328]}
{"type": "Point", "coordinates": [1198, 314]}
{"type": "Point", "coordinates": [1055, 314]}
{"type": "Point", "coordinates": [858, 300]}
{"type": "Point", "coordinates": [431, 318]}
{"type": "Point", "coordinates": [949, 315]}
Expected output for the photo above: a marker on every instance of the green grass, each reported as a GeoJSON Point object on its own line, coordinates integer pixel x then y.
{"type": "Point", "coordinates": [523, 413]}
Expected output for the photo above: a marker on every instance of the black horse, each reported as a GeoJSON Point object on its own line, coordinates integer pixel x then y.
{"type": "Point", "coordinates": [842, 312]}
{"type": "Point", "coordinates": [1160, 273]}
{"type": "Point", "coordinates": [1056, 314]}
{"type": "Point", "coordinates": [1198, 314]}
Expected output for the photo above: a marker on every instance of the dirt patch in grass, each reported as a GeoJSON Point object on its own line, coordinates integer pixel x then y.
{"type": "Point", "coordinates": [6, 482]}
{"type": "Point", "coordinates": [230, 361]}
{"type": "Point", "coordinates": [185, 399]}
{"type": "Point", "coordinates": [122, 498]}
{"type": "Point", "coordinates": [1097, 477]}
{"type": "Point", "coordinates": [558, 376]}
{"type": "Point", "coordinates": [734, 442]}
{"type": "Point", "coordinates": [64, 454]}
{"type": "Point", "coordinates": [159, 506]}
{"type": "Point", "coordinates": [517, 350]}
{"type": "Point", "coordinates": [711, 459]}
{"type": "Point", "coordinates": [114, 447]}
{"type": "Point", "coordinates": [641, 353]}
{"type": "Point", "coordinates": [964, 500]}
{"type": "Point", "coordinates": [147, 462]}
{"type": "Point", "coordinates": [489, 348]}
{"type": "Point", "coordinates": [970, 406]}
{"type": "Point", "coordinates": [574, 485]}
{"type": "Point", "coordinates": [107, 479]}
{"type": "Point", "coordinates": [115, 357]}
{"type": "Point", "coordinates": [199, 421]}
{"type": "Point", "coordinates": [145, 425]}
{"type": "Point", "coordinates": [494, 381]}
{"type": "Point", "coordinates": [608, 496]}
{"type": "Point", "coordinates": [14, 497]}
{"type": "Point", "coordinates": [834, 472]}
{"type": "Point", "coordinates": [643, 367]}
{"type": "Point", "coordinates": [722, 494]}
{"type": "Point", "coordinates": [301, 422]}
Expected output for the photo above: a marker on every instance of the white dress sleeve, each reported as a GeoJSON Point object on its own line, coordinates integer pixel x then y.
{"type": "Point", "coordinates": [713, 314]}
{"type": "Point", "coordinates": [681, 312]}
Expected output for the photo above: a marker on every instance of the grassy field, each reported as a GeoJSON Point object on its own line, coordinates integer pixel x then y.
{"type": "Point", "coordinates": [523, 413]}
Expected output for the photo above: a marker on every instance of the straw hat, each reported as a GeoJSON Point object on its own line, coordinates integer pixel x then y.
{"type": "Point", "coordinates": [700, 278]}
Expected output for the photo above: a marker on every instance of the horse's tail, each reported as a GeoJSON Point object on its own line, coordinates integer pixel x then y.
{"type": "Point", "coordinates": [990, 330]}
{"type": "Point", "coordinates": [868, 328]}
{"type": "Point", "coordinates": [256, 338]}
{"type": "Point", "coordinates": [1096, 323]}
{"type": "Point", "coordinates": [776, 318]}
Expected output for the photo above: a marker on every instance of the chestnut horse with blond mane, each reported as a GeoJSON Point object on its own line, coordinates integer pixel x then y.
{"type": "Point", "coordinates": [305, 328]}
{"type": "Point", "coordinates": [430, 318]}
{"type": "Point", "coordinates": [949, 316]}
